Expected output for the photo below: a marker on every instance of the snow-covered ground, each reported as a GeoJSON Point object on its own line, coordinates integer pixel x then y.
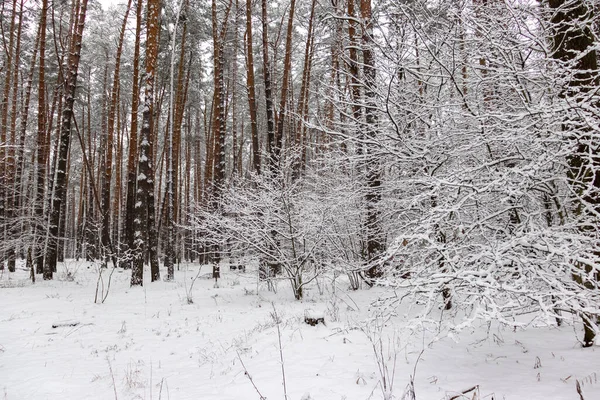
{"type": "Point", "coordinates": [152, 343]}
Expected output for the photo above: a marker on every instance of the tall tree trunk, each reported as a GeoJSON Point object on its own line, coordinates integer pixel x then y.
{"type": "Point", "coordinates": [574, 48]}
{"type": "Point", "coordinates": [145, 219]}
{"type": "Point", "coordinates": [250, 80]}
{"type": "Point", "coordinates": [171, 163]}
{"type": "Point", "coordinates": [10, 160]}
{"type": "Point", "coordinates": [374, 232]}
{"type": "Point", "coordinates": [20, 157]}
{"type": "Point", "coordinates": [302, 111]}
{"type": "Point", "coordinates": [219, 122]}
{"type": "Point", "coordinates": [42, 149]}
{"type": "Point", "coordinates": [287, 67]}
{"type": "Point", "coordinates": [130, 210]}
{"type": "Point", "coordinates": [70, 81]}
{"type": "Point", "coordinates": [353, 67]}
{"type": "Point", "coordinates": [181, 100]}
{"type": "Point", "coordinates": [108, 160]}
{"type": "Point", "coordinates": [268, 87]}
{"type": "Point", "coordinates": [234, 90]}
{"type": "Point", "coordinates": [4, 148]}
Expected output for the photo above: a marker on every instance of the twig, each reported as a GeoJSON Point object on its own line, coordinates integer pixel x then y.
{"type": "Point", "coordinates": [108, 286]}
{"type": "Point", "coordinates": [579, 389]}
{"type": "Point", "coordinates": [464, 392]}
{"type": "Point", "coordinates": [112, 377]}
{"type": "Point", "coordinates": [160, 390]}
{"type": "Point", "coordinates": [285, 396]}
{"type": "Point", "coordinates": [250, 377]}
{"type": "Point", "coordinates": [188, 293]}
{"type": "Point", "coordinates": [65, 324]}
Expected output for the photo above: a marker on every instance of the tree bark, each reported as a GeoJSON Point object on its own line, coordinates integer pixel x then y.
{"type": "Point", "coordinates": [145, 218]}
{"type": "Point", "coordinates": [12, 192]}
{"type": "Point", "coordinates": [4, 149]}
{"type": "Point", "coordinates": [108, 155]}
{"type": "Point", "coordinates": [172, 161]}
{"type": "Point", "coordinates": [70, 82]}
{"type": "Point", "coordinates": [268, 87]}
{"type": "Point", "coordinates": [287, 66]}
{"type": "Point", "coordinates": [250, 80]}
{"type": "Point", "coordinates": [130, 210]}
{"type": "Point", "coordinates": [374, 232]}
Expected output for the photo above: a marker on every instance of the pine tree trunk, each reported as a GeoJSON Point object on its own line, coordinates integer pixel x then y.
{"type": "Point", "coordinates": [268, 88]}
{"type": "Point", "coordinates": [11, 161]}
{"type": "Point", "coordinates": [130, 210]}
{"type": "Point", "coordinates": [20, 158]}
{"type": "Point", "coordinates": [108, 160]}
{"type": "Point", "coordinates": [250, 80]}
{"type": "Point", "coordinates": [234, 85]}
{"type": "Point", "coordinates": [4, 131]}
{"type": "Point", "coordinates": [374, 232]}
{"type": "Point", "coordinates": [42, 149]}
{"type": "Point", "coordinates": [70, 81]}
{"type": "Point", "coordinates": [354, 70]}
{"type": "Point", "coordinates": [144, 222]}
{"type": "Point", "coordinates": [170, 194]}
{"type": "Point", "coordinates": [287, 66]}
{"type": "Point", "coordinates": [183, 81]}
{"type": "Point", "coordinates": [302, 111]}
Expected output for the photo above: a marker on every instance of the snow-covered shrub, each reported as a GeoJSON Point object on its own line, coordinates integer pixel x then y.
{"type": "Point", "coordinates": [281, 223]}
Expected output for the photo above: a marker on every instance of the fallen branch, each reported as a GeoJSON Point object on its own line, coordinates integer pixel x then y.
{"type": "Point", "coordinates": [65, 323]}
{"type": "Point", "coordinates": [250, 377]}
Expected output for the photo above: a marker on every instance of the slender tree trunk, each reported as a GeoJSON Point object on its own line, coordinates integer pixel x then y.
{"type": "Point", "coordinates": [374, 232]}
{"type": "Point", "coordinates": [250, 80]}
{"type": "Point", "coordinates": [302, 111]}
{"type": "Point", "coordinates": [181, 98]}
{"type": "Point", "coordinates": [20, 188]}
{"type": "Point", "coordinates": [108, 160]}
{"type": "Point", "coordinates": [42, 149]}
{"type": "Point", "coordinates": [10, 160]}
{"type": "Point", "coordinates": [287, 67]}
{"type": "Point", "coordinates": [4, 130]}
{"type": "Point", "coordinates": [70, 81]}
{"type": "Point", "coordinates": [268, 87]}
{"type": "Point", "coordinates": [354, 69]}
{"type": "Point", "coordinates": [130, 210]}
{"type": "Point", "coordinates": [171, 164]}
{"type": "Point", "coordinates": [234, 85]}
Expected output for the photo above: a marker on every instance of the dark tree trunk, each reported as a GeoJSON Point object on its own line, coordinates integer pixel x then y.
{"type": "Point", "coordinates": [70, 81]}
{"type": "Point", "coordinates": [108, 155]}
{"type": "Point", "coordinates": [374, 232]}
{"type": "Point", "coordinates": [574, 48]}
{"type": "Point", "coordinates": [287, 67]}
{"type": "Point", "coordinates": [268, 87]}
{"type": "Point", "coordinates": [144, 223]}
{"type": "Point", "coordinates": [250, 80]}
{"type": "Point", "coordinates": [130, 210]}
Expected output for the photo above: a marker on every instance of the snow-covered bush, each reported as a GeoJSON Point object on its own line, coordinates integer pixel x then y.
{"type": "Point", "coordinates": [281, 223]}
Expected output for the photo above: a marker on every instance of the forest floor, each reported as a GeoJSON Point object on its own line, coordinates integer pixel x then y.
{"type": "Point", "coordinates": [165, 341]}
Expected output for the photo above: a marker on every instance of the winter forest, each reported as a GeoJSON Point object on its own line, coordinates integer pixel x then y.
{"type": "Point", "coordinates": [226, 196]}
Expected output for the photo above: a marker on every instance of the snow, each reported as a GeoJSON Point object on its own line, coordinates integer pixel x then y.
{"type": "Point", "coordinates": [151, 342]}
